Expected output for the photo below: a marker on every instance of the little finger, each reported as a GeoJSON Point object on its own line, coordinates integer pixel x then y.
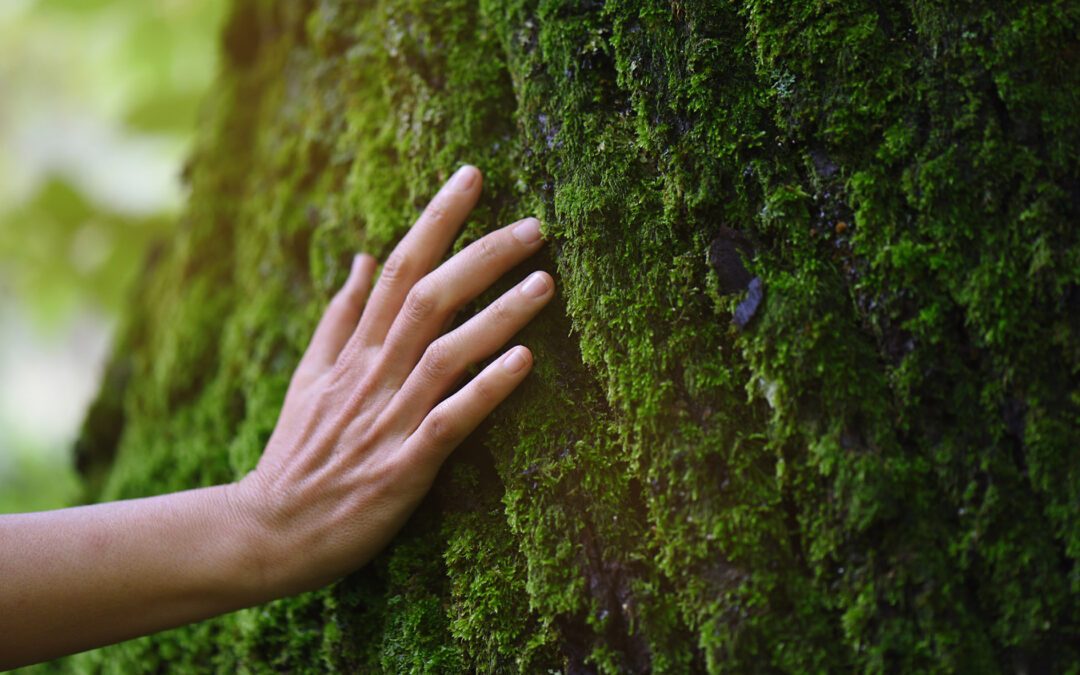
{"type": "Point", "coordinates": [455, 418]}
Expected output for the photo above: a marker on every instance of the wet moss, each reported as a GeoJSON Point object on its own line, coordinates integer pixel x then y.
{"type": "Point", "coordinates": [879, 473]}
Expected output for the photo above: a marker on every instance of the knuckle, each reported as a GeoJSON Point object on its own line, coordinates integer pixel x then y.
{"type": "Point", "coordinates": [440, 427]}
{"type": "Point", "coordinates": [396, 268]}
{"type": "Point", "coordinates": [349, 367]}
{"type": "Point", "coordinates": [484, 390]}
{"type": "Point", "coordinates": [392, 468]}
{"type": "Point", "coordinates": [501, 312]}
{"type": "Point", "coordinates": [438, 360]}
{"type": "Point", "coordinates": [422, 302]}
{"type": "Point", "coordinates": [487, 250]}
{"type": "Point", "coordinates": [435, 210]}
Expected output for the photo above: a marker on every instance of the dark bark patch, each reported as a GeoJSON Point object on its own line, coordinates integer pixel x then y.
{"type": "Point", "coordinates": [726, 254]}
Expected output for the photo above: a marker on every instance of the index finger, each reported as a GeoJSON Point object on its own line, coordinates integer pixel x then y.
{"type": "Point", "coordinates": [417, 254]}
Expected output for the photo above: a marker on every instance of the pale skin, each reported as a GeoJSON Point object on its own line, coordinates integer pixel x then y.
{"type": "Point", "coordinates": [365, 426]}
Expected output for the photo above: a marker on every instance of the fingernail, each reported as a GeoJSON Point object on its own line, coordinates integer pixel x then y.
{"type": "Point", "coordinates": [515, 361]}
{"type": "Point", "coordinates": [463, 179]}
{"type": "Point", "coordinates": [527, 231]}
{"type": "Point", "coordinates": [535, 286]}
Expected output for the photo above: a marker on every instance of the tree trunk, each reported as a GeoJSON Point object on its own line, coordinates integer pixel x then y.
{"type": "Point", "coordinates": [807, 400]}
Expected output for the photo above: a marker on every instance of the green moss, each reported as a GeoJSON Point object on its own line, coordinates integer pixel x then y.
{"type": "Point", "coordinates": [879, 473]}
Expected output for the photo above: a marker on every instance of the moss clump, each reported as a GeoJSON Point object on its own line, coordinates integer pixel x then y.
{"type": "Point", "coordinates": [880, 472]}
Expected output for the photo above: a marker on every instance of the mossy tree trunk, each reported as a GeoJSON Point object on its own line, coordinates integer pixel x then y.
{"type": "Point", "coordinates": [865, 459]}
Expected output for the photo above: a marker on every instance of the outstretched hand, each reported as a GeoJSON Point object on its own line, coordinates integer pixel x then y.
{"type": "Point", "coordinates": [365, 427]}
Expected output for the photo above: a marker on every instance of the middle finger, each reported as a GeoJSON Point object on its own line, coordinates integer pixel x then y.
{"type": "Point", "coordinates": [457, 281]}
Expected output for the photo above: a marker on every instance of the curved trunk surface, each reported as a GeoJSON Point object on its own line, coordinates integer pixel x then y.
{"type": "Point", "coordinates": [808, 398]}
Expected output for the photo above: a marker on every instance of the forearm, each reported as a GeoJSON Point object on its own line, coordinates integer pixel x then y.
{"type": "Point", "coordinates": [79, 578]}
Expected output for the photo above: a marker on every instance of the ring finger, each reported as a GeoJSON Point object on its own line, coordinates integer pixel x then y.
{"type": "Point", "coordinates": [435, 298]}
{"type": "Point", "coordinates": [446, 358]}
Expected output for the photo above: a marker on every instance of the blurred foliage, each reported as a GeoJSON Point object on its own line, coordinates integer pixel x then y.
{"type": "Point", "coordinates": [30, 479]}
{"type": "Point", "coordinates": [60, 251]}
{"type": "Point", "coordinates": [100, 100]}
{"type": "Point", "coordinates": [98, 104]}
{"type": "Point", "coordinates": [161, 52]}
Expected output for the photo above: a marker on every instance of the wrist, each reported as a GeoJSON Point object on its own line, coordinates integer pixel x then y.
{"type": "Point", "coordinates": [274, 550]}
{"type": "Point", "coordinates": [255, 571]}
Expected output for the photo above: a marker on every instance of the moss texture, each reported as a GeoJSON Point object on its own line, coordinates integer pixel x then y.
{"type": "Point", "coordinates": [880, 472]}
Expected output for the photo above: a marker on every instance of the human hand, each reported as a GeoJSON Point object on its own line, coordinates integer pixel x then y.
{"type": "Point", "coordinates": [361, 435]}
{"type": "Point", "coordinates": [364, 427]}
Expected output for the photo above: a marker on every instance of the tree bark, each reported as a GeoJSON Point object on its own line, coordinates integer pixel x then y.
{"type": "Point", "coordinates": [808, 399]}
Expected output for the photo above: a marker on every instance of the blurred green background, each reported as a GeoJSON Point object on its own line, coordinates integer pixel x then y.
{"type": "Point", "coordinates": [98, 104]}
